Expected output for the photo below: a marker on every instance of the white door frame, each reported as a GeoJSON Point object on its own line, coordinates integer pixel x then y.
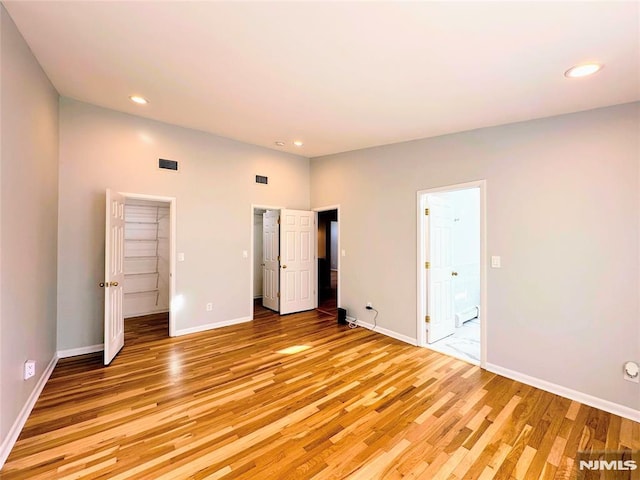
{"type": "Point", "coordinates": [251, 251]}
{"type": "Point", "coordinates": [421, 256]}
{"type": "Point", "coordinates": [173, 303]}
{"type": "Point", "coordinates": [326, 209]}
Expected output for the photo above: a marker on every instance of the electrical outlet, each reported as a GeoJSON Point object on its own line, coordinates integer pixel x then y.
{"type": "Point", "coordinates": [209, 307]}
{"type": "Point", "coordinates": [29, 369]}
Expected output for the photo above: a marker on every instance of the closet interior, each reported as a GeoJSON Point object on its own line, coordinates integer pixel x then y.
{"type": "Point", "coordinates": [146, 258]}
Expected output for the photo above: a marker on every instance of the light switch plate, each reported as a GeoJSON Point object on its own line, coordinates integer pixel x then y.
{"type": "Point", "coordinates": [181, 257]}
{"type": "Point", "coordinates": [495, 261]}
{"type": "Point", "coordinates": [245, 254]}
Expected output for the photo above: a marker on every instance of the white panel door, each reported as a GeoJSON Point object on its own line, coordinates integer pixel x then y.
{"type": "Point", "coordinates": [440, 272]}
{"type": "Point", "coordinates": [114, 276]}
{"type": "Point", "coordinates": [297, 260]}
{"type": "Point", "coordinates": [270, 259]}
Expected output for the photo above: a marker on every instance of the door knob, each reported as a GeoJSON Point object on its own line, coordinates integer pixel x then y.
{"type": "Point", "coordinates": [114, 284]}
{"type": "Point", "coordinates": [262, 264]}
{"type": "Point", "coordinates": [101, 285]}
{"type": "Point", "coordinates": [284, 266]}
{"type": "Point", "coordinates": [454, 274]}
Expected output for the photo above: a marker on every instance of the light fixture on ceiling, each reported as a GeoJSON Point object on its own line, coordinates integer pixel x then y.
{"type": "Point", "coordinates": [138, 99]}
{"type": "Point", "coordinates": [280, 144]}
{"type": "Point", "coordinates": [298, 143]}
{"type": "Point", "coordinates": [583, 70]}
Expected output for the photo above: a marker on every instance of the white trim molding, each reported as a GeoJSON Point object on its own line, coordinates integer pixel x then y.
{"type": "Point", "coordinates": [16, 428]}
{"type": "Point", "coordinates": [384, 331]}
{"type": "Point", "coordinates": [74, 352]}
{"type": "Point", "coordinates": [606, 405]}
{"type": "Point", "coordinates": [212, 326]}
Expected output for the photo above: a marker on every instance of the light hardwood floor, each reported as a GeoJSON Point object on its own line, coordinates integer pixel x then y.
{"type": "Point", "coordinates": [355, 405]}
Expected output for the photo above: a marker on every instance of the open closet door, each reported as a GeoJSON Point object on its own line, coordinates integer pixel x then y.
{"type": "Point", "coordinates": [440, 272]}
{"type": "Point", "coordinates": [114, 276]}
{"type": "Point", "coordinates": [271, 260]}
{"type": "Point", "coordinates": [297, 260]}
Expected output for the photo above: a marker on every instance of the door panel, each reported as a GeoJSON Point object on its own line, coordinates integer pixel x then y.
{"type": "Point", "coordinates": [439, 275]}
{"type": "Point", "coordinates": [114, 276]}
{"type": "Point", "coordinates": [271, 252]}
{"type": "Point", "coordinates": [297, 268]}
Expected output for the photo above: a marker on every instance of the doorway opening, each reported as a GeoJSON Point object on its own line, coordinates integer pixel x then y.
{"type": "Point", "coordinates": [328, 261]}
{"type": "Point", "coordinates": [146, 269]}
{"type": "Point", "coordinates": [283, 272]}
{"type": "Point", "coordinates": [261, 288]}
{"type": "Point", "coordinates": [139, 282]}
{"type": "Point", "coordinates": [451, 271]}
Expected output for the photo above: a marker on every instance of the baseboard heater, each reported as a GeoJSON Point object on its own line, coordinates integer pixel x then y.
{"type": "Point", "coordinates": [467, 315]}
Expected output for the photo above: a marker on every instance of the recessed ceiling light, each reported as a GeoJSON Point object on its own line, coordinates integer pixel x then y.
{"type": "Point", "coordinates": [298, 143]}
{"type": "Point", "coordinates": [280, 144]}
{"type": "Point", "coordinates": [138, 99]}
{"type": "Point", "coordinates": [583, 70]}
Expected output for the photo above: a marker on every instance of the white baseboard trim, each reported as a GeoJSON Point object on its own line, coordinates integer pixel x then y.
{"type": "Point", "coordinates": [211, 326]}
{"type": "Point", "coordinates": [16, 428]}
{"type": "Point", "coordinates": [73, 352]}
{"type": "Point", "coordinates": [606, 405]}
{"type": "Point", "coordinates": [384, 331]}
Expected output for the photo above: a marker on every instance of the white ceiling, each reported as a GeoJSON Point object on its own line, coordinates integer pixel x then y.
{"type": "Point", "coordinates": [337, 75]}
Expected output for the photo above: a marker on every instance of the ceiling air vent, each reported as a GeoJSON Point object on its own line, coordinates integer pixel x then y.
{"type": "Point", "coordinates": [167, 164]}
{"type": "Point", "coordinates": [262, 179]}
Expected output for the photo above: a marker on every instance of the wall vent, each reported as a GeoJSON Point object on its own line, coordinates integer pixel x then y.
{"type": "Point", "coordinates": [167, 164]}
{"type": "Point", "coordinates": [262, 179]}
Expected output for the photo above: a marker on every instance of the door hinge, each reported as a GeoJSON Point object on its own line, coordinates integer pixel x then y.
{"type": "Point", "coordinates": [278, 220]}
{"type": "Point", "coordinates": [427, 265]}
{"type": "Point", "coordinates": [427, 319]}
{"type": "Point", "coordinates": [426, 211]}
{"type": "Point", "coordinates": [278, 295]}
{"type": "Point", "coordinates": [278, 257]}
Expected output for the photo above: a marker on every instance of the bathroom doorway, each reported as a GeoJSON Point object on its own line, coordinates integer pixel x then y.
{"type": "Point", "coordinates": [451, 271]}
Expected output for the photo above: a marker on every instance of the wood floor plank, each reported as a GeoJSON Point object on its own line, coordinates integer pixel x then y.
{"type": "Point", "coordinates": [228, 404]}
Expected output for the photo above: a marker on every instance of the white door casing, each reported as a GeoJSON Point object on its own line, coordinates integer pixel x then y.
{"type": "Point", "coordinates": [270, 259]}
{"type": "Point", "coordinates": [440, 299]}
{"type": "Point", "coordinates": [297, 265]}
{"type": "Point", "coordinates": [114, 276]}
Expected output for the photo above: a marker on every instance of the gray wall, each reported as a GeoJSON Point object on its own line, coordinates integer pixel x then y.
{"type": "Point", "coordinates": [562, 211]}
{"type": "Point", "coordinates": [214, 189]}
{"type": "Point", "coordinates": [28, 227]}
